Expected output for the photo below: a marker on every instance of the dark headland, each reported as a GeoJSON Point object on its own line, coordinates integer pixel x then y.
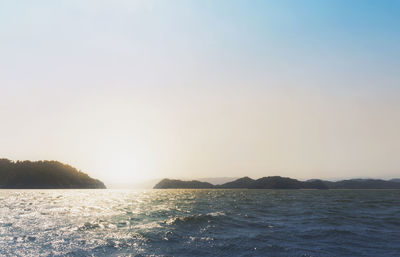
{"type": "Point", "coordinates": [44, 175]}
{"type": "Point", "coordinates": [277, 182]}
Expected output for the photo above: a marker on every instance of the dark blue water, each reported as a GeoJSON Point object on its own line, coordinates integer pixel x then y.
{"type": "Point", "coordinates": [200, 223]}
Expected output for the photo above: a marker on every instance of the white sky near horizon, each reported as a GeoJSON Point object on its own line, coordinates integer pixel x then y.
{"type": "Point", "coordinates": [133, 90]}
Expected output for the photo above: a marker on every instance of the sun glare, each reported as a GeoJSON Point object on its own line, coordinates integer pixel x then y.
{"type": "Point", "coordinates": [127, 167]}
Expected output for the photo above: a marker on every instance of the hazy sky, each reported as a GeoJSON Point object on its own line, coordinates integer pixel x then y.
{"type": "Point", "coordinates": [132, 90]}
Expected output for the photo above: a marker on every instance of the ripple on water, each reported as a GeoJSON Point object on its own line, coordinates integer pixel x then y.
{"type": "Point", "coordinates": [199, 223]}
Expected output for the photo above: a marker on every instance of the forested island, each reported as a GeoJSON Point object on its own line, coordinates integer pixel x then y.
{"type": "Point", "coordinates": [44, 175]}
{"type": "Point", "coordinates": [277, 182]}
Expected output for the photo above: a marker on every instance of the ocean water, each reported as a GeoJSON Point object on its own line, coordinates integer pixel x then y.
{"type": "Point", "coordinates": [199, 223]}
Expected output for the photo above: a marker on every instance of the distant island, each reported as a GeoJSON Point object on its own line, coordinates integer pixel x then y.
{"type": "Point", "coordinates": [277, 182]}
{"type": "Point", "coordinates": [44, 175]}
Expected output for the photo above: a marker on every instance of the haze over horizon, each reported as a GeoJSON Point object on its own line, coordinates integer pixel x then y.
{"type": "Point", "coordinates": [129, 91]}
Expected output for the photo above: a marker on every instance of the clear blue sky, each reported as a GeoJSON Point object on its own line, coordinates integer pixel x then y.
{"type": "Point", "coordinates": [132, 90]}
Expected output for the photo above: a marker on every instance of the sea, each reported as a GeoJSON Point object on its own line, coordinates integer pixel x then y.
{"type": "Point", "coordinates": [200, 223]}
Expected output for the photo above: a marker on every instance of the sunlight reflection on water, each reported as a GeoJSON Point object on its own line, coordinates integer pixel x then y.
{"type": "Point", "coordinates": [199, 222]}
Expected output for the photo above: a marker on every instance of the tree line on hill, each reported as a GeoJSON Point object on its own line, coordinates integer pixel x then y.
{"type": "Point", "coordinates": [43, 174]}
{"type": "Point", "coordinates": [277, 182]}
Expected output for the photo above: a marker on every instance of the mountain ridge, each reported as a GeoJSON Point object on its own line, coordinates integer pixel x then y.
{"type": "Point", "coordinates": [278, 182]}
{"type": "Point", "coordinates": [44, 175]}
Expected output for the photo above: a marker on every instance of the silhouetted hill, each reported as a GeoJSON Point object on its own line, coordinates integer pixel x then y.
{"type": "Point", "coordinates": [43, 174]}
{"type": "Point", "coordinates": [238, 183]}
{"type": "Point", "coordinates": [277, 182]}
{"type": "Point", "coordinates": [245, 182]}
{"type": "Point", "coordinates": [363, 184]}
{"type": "Point", "coordinates": [173, 183]}
{"type": "Point", "coordinates": [315, 184]}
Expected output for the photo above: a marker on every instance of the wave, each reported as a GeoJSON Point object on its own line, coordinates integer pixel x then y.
{"type": "Point", "coordinates": [194, 219]}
